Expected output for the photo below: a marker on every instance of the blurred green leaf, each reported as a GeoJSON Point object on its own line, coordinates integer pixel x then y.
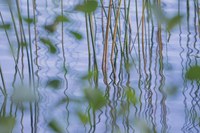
{"type": "Point", "coordinates": [51, 27]}
{"type": "Point", "coordinates": [73, 99]}
{"type": "Point", "coordinates": [131, 96]}
{"type": "Point", "coordinates": [61, 18]}
{"type": "Point", "coordinates": [87, 6]}
{"type": "Point", "coordinates": [95, 98]}
{"type": "Point", "coordinates": [124, 108]}
{"type": "Point", "coordinates": [23, 44]}
{"type": "Point", "coordinates": [158, 13]}
{"type": "Point", "coordinates": [54, 83]}
{"type": "Point", "coordinates": [7, 124]}
{"type": "Point", "coordinates": [83, 117]}
{"type": "Point", "coordinates": [76, 35]}
{"type": "Point", "coordinates": [162, 18]}
{"type": "Point", "coordinates": [171, 23]}
{"type": "Point", "coordinates": [88, 76]}
{"type": "Point", "coordinates": [172, 90]}
{"type": "Point", "coordinates": [128, 66]}
{"type": "Point", "coordinates": [143, 126]}
{"type": "Point", "coordinates": [53, 125]}
{"type": "Point", "coordinates": [62, 101]}
{"type": "Point", "coordinates": [193, 73]}
{"type": "Point", "coordinates": [28, 20]}
{"type": "Point", "coordinates": [5, 26]}
{"type": "Point", "coordinates": [49, 44]}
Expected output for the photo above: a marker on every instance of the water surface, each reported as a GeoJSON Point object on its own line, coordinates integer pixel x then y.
{"type": "Point", "coordinates": [158, 61]}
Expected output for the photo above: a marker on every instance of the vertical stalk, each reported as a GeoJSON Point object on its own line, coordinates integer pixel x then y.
{"type": "Point", "coordinates": [62, 31]}
{"type": "Point", "coordinates": [114, 39]}
{"type": "Point", "coordinates": [88, 42]}
{"type": "Point", "coordinates": [10, 45]}
{"type": "Point", "coordinates": [18, 46]}
{"type": "Point", "coordinates": [3, 90]}
{"type": "Point", "coordinates": [24, 40]}
{"type": "Point", "coordinates": [105, 49]}
{"type": "Point", "coordinates": [35, 31]}
{"type": "Point", "coordinates": [30, 44]}
{"type": "Point", "coordinates": [143, 33]}
{"type": "Point", "coordinates": [94, 51]}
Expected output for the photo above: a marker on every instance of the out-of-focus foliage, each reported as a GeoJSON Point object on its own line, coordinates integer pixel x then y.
{"type": "Point", "coordinates": [95, 98]}
{"type": "Point", "coordinates": [76, 35]}
{"type": "Point", "coordinates": [54, 83]}
{"type": "Point", "coordinates": [83, 117]}
{"type": "Point", "coordinates": [143, 127]}
{"type": "Point", "coordinates": [131, 97]}
{"type": "Point", "coordinates": [6, 26]}
{"type": "Point", "coordinates": [29, 20]}
{"type": "Point", "coordinates": [55, 126]}
{"type": "Point", "coordinates": [162, 18]}
{"type": "Point", "coordinates": [52, 27]}
{"type": "Point", "coordinates": [193, 73]}
{"type": "Point", "coordinates": [87, 6]}
{"type": "Point", "coordinates": [7, 124]}
{"type": "Point", "coordinates": [49, 44]}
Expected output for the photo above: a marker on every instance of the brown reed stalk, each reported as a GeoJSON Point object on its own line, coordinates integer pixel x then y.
{"type": "Point", "coordinates": [105, 49]}
{"type": "Point", "coordinates": [143, 35]}
{"type": "Point", "coordinates": [114, 39]}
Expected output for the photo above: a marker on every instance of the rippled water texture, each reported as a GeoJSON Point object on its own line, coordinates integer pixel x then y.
{"type": "Point", "coordinates": [148, 60]}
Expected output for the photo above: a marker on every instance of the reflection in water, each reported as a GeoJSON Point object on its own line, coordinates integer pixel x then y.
{"type": "Point", "coordinates": [191, 88]}
{"type": "Point", "coordinates": [135, 80]}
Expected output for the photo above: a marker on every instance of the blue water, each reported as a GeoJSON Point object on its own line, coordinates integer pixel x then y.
{"type": "Point", "coordinates": [153, 75]}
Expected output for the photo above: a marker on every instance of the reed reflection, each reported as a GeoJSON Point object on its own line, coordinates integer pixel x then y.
{"type": "Point", "coordinates": [126, 56]}
{"type": "Point", "coordinates": [191, 88]}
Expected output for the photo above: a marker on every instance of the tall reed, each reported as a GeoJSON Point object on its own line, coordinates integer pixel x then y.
{"type": "Point", "coordinates": [3, 88]}
{"type": "Point", "coordinates": [106, 41]}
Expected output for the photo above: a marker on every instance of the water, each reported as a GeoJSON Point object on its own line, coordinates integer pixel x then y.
{"type": "Point", "coordinates": [166, 101]}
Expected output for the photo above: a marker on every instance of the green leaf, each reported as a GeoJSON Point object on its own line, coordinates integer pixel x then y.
{"type": "Point", "coordinates": [143, 126]}
{"type": "Point", "coordinates": [171, 23]}
{"type": "Point", "coordinates": [7, 124]}
{"type": "Point", "coordinates": [131, 96]}
{"type": "Point", "coordinates": [88, 76]}
{"type": "Point", "coordinates": [23, 44]}
{"type": "Point", "coordinates": [28, 20]}
{"type": "Point", "coordinates": [193, 73]}
{"type": "Point", "coordinates": [55, 126]}
{"type": "Point", "coordinates": [49, 44]}
{"type": "Point", "coordinates": [5, 26]}
{"type": "Point", "coordinates": [159, 14]}
{"type": "Point", "coordinates": [83, 117]}
{"type": "Point", "coordinates": [51, 27]}
{"type": "Point", "coordinates": [61, 18]}
{"type": "Point", "coordinates": [128, 66]}
{"type": "Point", "coordinates": [54, 83]}
{"type": "Point", "coordinates": [172, 90]}
{"type": "Point", "coordinates": [87, 6]}
{"type": "Point", "coordinates": [95, 98]}
{"type": "Point", "coordinates": [77, 35]}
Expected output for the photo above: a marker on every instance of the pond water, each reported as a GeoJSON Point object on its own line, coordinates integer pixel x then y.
{"type": "Point", "coordinates": [145, 87]}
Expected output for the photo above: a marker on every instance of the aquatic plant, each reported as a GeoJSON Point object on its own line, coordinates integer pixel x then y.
{"type": "Point", "coordinates": [131, 59]}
